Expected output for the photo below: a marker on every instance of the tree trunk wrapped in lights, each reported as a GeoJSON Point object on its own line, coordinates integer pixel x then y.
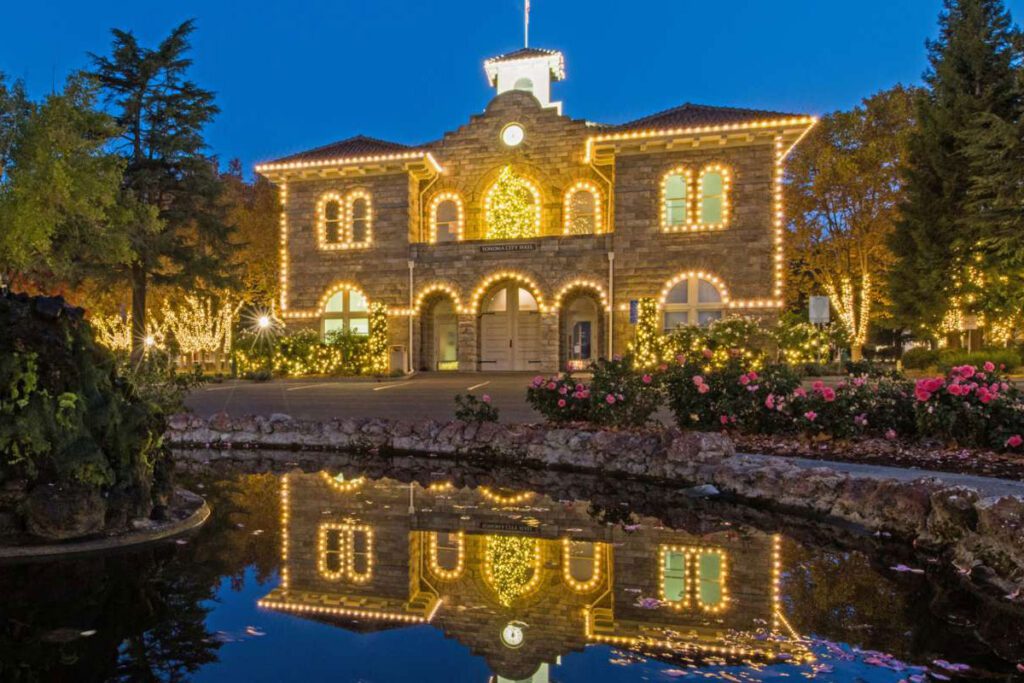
{"type": "Point", "coordinates": [511, 207]}
{"type": "Point", "coordinates": [646, 342]}
{"type": "Point", "coordinates": [377, 345]}
{"type": "Point", "coordinates": [199, 327]}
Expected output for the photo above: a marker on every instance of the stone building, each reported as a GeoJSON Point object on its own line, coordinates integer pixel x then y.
{"type": "Point", "coordinates": [522, 239]}
{"type": "Point", "coordinates": [521, 579]}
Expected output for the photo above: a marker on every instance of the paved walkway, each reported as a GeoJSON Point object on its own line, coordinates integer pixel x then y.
{"type": "Point", "coordinates": [987, 486]}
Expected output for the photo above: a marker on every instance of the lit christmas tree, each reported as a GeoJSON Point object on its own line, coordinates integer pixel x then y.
{"type": "Point", "coordinates": [512, 207]}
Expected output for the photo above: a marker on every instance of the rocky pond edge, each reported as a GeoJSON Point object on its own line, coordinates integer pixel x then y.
{"type": "Point", "coordinates": [981, 535]}
{"type": "Point", "coordinates": [194, 512]}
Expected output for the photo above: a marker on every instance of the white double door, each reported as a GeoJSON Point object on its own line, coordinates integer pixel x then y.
{"type": "Point", "coordinates": [510, 330]}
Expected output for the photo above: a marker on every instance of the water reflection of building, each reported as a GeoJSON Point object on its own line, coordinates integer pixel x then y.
{"type": "Point", "coordinates": [521, 579]}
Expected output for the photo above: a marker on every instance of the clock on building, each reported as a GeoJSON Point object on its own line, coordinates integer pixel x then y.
{"type": "Point", "coordinates": [512, 134]}
{"type": "Point", "coordinates": [512, 635]}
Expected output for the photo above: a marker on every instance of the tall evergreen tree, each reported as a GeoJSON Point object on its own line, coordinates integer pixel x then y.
{"type": "Point", "coordinates": [971, 73]}
{"type": "Point", "coordinates": [178, 231]}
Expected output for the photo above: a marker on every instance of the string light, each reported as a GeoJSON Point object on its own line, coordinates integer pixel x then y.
{"type": "Point", "coordinates": [700, 274]}
{"type": "Point", "coordinates": [347, 612]}
{"type": "Point", "coordinates": [485, 286]}
{"type": "Point", "coordinates": [500, 499]}
{"type": "Point", "coordinates": [285, 518]}
{"type": "Point", "coordinates": [694, 130]}
{"type": "Point", "coordinates": [580, 284]}
{"type": "Point", "coordinates": [568, 214]}
{"type": "Point", "coordinates": [726, 175]}
{"type": "Point", "coordinates": [344, 221]}
{"type": "Point", "coordinates": [377, 344]}
{"type": "Point", "coordinates": [346, 553]}
{"type": "Point", "coordinates": [692, 577]}
{"type": "Point", "coordinates": [507, 211]}
{"type": "Point", "coordinates": [778, 216]}
{"type": "Point", "coordinates": [595, 577]}
{"type": "Point", "coordinates": [283, 249]}
{"type": "Point", "coordinates": [432, 553]}
{"type": "Point", "coordinates": [460, 221]}
{"type": "Point", "coordinates": [512, 566]}
{"type": "Point", "coordinates": [343, 485]}
{"type": "Point", "coordinates": [351, 161]}
{"type": "Point", "coordinates": [435, 288]}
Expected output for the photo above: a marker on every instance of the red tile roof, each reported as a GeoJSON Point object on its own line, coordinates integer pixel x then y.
{"type": "Point", "coordinates": [691, 115]}
{"type": "Point", "coordinates": [357, 146]}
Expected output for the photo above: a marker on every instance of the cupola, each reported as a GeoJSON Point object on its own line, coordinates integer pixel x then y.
{"type": "Point", "coordinates": [530, 69]}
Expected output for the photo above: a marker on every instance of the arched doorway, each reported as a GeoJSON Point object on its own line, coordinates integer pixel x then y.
{"type": "Point", "coordinates": [581, 327]}
{"type": "Point", "coordinates": [509, 329]}
{"type": "Point", "coordinates": [439, 336]}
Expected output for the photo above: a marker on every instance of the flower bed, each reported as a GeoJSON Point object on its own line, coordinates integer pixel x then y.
{"type": "Point", "coordinates": [970, 406]}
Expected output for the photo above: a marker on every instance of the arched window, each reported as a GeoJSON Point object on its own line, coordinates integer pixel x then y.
{"type": "Point", "coordinates": [345, 552]}
{"type": "Point", "coordinates": [581, 564]}
{"type": "Point", "coordinates": [524, 84]}
{"type": "Point", "coordinates": [347, 310]}
{"type": "Point", "coordinates": [447, 554]}
{"type": "Point", "coordinates": [675, 199]}
{"type": "Point", "coordinates": [447, 218]}
{"type": "Point", "coordinates": [344, 223]}
{"type": "Point", "coordinates": [714, 196]}
{"type": "Point", "coordinates": [582, 209]}
{"type": "Point", "coordinates": [692, 301]}
{"type": "Point", "coordinates": [360, 216]}
{"type": "Point", "coordinates": [512, 207]}
{"type": "Point", "coordinates": [330, 220]}
{"type": "Point", "coordinates": [673, 576]}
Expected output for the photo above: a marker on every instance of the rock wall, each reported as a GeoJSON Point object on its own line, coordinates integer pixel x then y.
{"type": "Point", "coordinates": [986, 534]}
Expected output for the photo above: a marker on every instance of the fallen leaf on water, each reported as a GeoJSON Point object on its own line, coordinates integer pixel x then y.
{"type": "Point", "coordinates": [905, 568]}
{"type": "Point", "coordinates": [90, 632]}
{"type": "Point", "coordinates": [255, 631]}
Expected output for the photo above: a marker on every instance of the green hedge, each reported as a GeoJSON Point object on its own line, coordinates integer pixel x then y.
{"type": "Point", "coordinates": [923, 358]}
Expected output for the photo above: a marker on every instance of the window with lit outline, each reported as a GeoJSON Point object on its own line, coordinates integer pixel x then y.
{"type": "Point", "coordinates": [344, 222]}
{"type": "Point", "coordinates": [345, 552]}
{"type": "Point", "coordinates": [581, 209]}
{"type": "Point", "coordinates": [692, 300]}
{"type": "Point", "coordinates": [447, 218]}
{"type": "Point", "coordinates": [693, 575]}
{"type": "Point", "coordinates": [693, 203]}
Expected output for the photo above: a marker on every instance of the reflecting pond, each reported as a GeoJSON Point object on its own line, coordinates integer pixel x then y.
{"type": "Point", "coordinates": [443, 573]}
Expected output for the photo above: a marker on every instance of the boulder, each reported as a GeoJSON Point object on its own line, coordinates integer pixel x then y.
{"type": "Point", "coordinates": [952, 515]}
{"type": "Point", "coordinates": [61, 513]}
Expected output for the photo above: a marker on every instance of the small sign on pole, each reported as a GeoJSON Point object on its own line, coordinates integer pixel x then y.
{"type": "Point", "coordinates": [634, 311]}
{"type": "Point", "coordinates": [819, 310]}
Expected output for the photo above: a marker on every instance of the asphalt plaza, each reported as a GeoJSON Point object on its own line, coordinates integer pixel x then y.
{"type": "Point", "coordinates": [425, 395]}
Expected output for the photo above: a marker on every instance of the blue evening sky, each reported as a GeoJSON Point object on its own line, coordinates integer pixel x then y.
{"type": "Point", "coordinates": [301, 73]}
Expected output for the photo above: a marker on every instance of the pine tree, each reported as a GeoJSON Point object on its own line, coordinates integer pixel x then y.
{"type": "Point", "coordinates": [511, 208]}
{"type": "Point", "coordinates": [171, 189]}
{"type": "Point", "coordinates": [972, 72]}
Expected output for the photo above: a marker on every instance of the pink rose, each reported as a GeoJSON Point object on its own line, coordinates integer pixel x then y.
{"type": "Point", "coordinates": [703, 389]}
{"type": "Point", "coordinates": [829, 394]}
{"type": "Point", "coordinates": [551, 386]}
{"type": "Point", "coordinates": [563, 390]}
{"type": "Point", "coordinates": [967, 371]}
{"type": "Point", "coordinates": [609, 399]}
{"type": "Point", "coordinates": [769, 402]}
{"type": "Point", "coordinates": [1015, 441]}
{"type": "Point", "coordinates": [646, 379]}
{"type": "Point", "coordinates": [752, 375]}
{"type": "Point", "coordinates": [932, 385]}
{"type": "Point", "coordinates": [858, 381]}
{"type": "Point", "coordinates": [955, 390]}
{"type": "Point", "coordinates": [744, 380]}
{"type": "Point", "coordinates": [724, 419]}
{"type": "Point", "coordinates": [707, 353]}
{"type": "Point", "coordinates": [984, 396]}
{"type": "Point", "coordinates": [698, 380]}
{"type": "Point", "coordinates": [801, 392]}
{"type": "Point", "coordinates": [922, 394]}
{"type": "Point", "coordinates": [580, 387]}
{"type": "Point", "coordinates": [486, 398]}
{"type": "Point", "coordinates": [989, 366]}
{"type": "Point", "coordinates": [818, 385]}
{"type": "Point", "coordinates": [890, 434]}
{"type": "Point", "coordinates": [811, 415]}
{"type": "Point", "coordinates": [561, 403]}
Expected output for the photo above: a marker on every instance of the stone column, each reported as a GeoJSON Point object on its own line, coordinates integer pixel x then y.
{"type": "Point", "coordinates": [549, 337]}
{"type": "Point", "coordinates": [468, 326]}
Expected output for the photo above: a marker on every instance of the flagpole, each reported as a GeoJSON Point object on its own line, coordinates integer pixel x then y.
{"type": "Point", "coordinates": [526, 24]}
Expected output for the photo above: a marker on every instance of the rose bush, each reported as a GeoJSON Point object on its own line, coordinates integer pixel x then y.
{"type": "Point", "coordinates": [618, 395]}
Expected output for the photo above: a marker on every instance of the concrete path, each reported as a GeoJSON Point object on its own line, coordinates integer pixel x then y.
{"type": "Point", "coordinates": [987, 486]}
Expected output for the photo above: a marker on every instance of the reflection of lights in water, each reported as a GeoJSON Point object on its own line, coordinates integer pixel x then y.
{"type": "Point", "coordinates": [339, 483]}
{"type": "Point", "coordinates": [512, 566]}
{"type": "Point", "coordinates": [505, 499]}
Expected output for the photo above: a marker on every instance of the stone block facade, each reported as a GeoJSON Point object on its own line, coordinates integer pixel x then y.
{"type": "Point", "coordinates": [628, 257]}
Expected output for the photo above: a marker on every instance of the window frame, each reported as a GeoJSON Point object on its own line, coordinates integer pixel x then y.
{"type": "Point", "coordinates": [345, 228]}
{"type": "Point", "coordinates": [345, 553]}
{"type": "Point", "coordinates": [569, 213]}
{"type": "Point", "coordinates": [693, 306]}
{"type": "Point", "coordinates": [346, 314]}
{"type": "Point", "coordinates": [460, 221]}
{"type": "Point", "coordinates": [726, 176]}
{"type": "Point", "coordinates": [694, 201]}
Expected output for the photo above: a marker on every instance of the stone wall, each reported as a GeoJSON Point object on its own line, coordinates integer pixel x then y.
{"type": "Point", "coordinates": [957, 520]}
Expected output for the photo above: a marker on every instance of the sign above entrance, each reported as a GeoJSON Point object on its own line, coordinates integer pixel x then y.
{"type": "Point", "coordinates": [524, 246]}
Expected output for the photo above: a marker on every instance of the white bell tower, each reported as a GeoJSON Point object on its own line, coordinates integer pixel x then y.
{"type": "Point", "coordinates": [531, 69]}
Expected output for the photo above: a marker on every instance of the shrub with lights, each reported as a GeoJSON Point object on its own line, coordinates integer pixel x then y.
{"type": "Point", "coordinates": [648, 342]}
{"type": "Point", "coordinates": [376, 361]}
